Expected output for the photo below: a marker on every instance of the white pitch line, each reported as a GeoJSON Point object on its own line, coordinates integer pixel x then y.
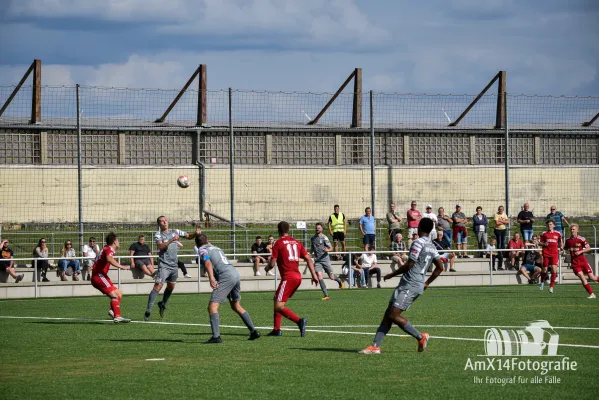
{"type": "Point", "coordinates": [459, 326]}
{"type": "Point", "coordinates": [584, 346]}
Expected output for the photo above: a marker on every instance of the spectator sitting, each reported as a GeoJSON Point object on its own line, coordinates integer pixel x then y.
{"type": "Point", "coordinates": [526, 219]}
{"type": "Point", "coordinates": [140, 248]}
{"type": "Point", "coordinates": [91, 251]}
{"type": "Point", "coordinates": [398, 259]}
{"type": "Point", "coordinates": [529, 261]}
{"type": "Point", "coordinates": [443, 247]}
{"type": "Point", "coordinates": [412, 239]}
{"type": "Point", "coordinates": [369, 266]}
{"type": "Point", "coordinates": [480, 222]}
{"type": "Point", "coordinates": [41, 251]}
{"type": "Point", "coordinates": [515, 244]}
{"type": "Point", "coordinates": [7, 264]}
{"type": "Point", "coordinates": [358, 272]}
{"type": "Point", "coordinates": [67, 259]}
{"type": "Point", "coordinates": [259, 248]}
{"type": "Point", "coordinates": [491, 251]}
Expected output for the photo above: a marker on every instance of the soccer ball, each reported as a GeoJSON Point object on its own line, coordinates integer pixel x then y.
{"type": "Point", "coordinates": [183, 181]}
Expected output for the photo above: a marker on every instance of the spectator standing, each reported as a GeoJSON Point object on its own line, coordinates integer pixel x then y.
{"type": "Point", "coordinates": [394, 220]}
{"type": "Point", "coordinates": [479, 225]}
{"type": "Point", "coordinates": [398, 259]}
{"type": "Point", "coordinates": [140, 248]}
{"type": "Point", "coordinates": [526, 219]}
{"type": "Point", "coordinates": [6, 262]}
{"type": "Point", "coordinates": [367, 227]}
{"type": "Point", "coordinates": [432, 216]}
{"type": "Point", "coordinates": [369, 267]}
{"type": "Point", "coordinates": [444, 222]}
{"type": "Point", "coordinates": [501, 223]}
{"type": "Point", "coordinates": [559, 219]}
{"type": "Point", "coordinates": [91, 251]}
{"type": "Point", "coordinates": [338, 228]}
{"type": "Point", "coordinates": [414, 218]}
{"type": "Point", "coordinates": [67, 259]}
{"type": "Point", "coordinates": [515, 244]}
{"type": "Point", "coordinates": [460, 235]}
{"type": "Point", "coordinates": [41, 251]}
{"type": "Point", "coordinates": [443, 247]}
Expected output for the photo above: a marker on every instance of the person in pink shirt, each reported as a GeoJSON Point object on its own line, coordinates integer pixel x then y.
{"type": "Point", "coordinates": [414, 218]}
{"type": "Point", "coordinates": [515, 256]}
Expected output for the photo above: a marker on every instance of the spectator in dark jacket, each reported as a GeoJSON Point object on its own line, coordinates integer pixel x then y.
{"type": "Point", "coordinates": [480, 224]}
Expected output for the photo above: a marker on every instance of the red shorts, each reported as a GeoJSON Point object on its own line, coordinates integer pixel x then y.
{"type": "Point", "coordinates": [550, 260]}
{"type": "Point", "coordinates": [102, 283]}
{"type": "Point", "coordinates": [582, 266]}
{"type": "Point", "coordinates": [286, 289]}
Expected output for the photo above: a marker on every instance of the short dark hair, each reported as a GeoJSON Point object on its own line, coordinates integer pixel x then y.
{"type": "Point", "coordinates": [92, 239]}
{"type": "Point", "coordinates": [367, 208]}
{"type": "Point", "coordinates": [426, 225]}
{"type": "Point", "coordinates": [201, 239]}
{"type": "Point", "coordinates": [158, 219]}
{"type": "Point", "coordinates": [336, 206]}
{"type": "Point", "coordinates": [141, 237]}
{"type": "Point", "coordinates": [283, 227]}
{"type": "Point", "coordinates": [110, 238]}
{"type": "Point", "coordinates": [318, 223]}
{"type": "Point", "coordinates": [550, 220]}
{"type": "Point", "coordinates": [258, 237]}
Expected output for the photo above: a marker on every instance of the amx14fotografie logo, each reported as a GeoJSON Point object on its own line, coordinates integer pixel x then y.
{"type": "Point", "coordinates": [532, 349]}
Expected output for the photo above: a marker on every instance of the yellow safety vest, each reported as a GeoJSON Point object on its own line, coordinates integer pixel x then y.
{"type": "Point", "coordinates": [337, 223]}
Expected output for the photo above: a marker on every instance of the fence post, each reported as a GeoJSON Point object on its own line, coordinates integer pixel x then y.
{"type": "Point", "coordinates": [231, 169]}
{"type": "Point", "coordinates": [35, 277]}
{"type": "Point", "coordinates": [79, 171]}
{"type": "Point", "coordinates": [491, 270]}
{"type": "Point", "coordinates": [118, 274]}
{"type": "Point", "coordinates": [507, 164]}
{"type": "Point", "coordinates": [372, 177]}
{"type": "Point", "coordinates": [350, 273]}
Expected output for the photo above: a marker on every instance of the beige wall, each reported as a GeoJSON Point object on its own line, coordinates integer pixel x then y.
{"type": "Point", "coordinates": [139, 194]}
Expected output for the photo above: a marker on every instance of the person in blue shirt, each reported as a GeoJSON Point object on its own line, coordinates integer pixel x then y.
{"type": "Point", "coordinates": [559, 219]}
{"type": "Point", "coordinates": [367, 227]}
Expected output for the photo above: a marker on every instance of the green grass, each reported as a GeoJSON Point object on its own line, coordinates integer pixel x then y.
{"type": "Point", "coordinates": [88, 358]}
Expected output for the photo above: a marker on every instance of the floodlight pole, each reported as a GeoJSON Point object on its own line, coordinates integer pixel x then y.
{"type": "Point", "coordinates": [232, 169]}
{"type": "Point", "coordinates": [79, 171]}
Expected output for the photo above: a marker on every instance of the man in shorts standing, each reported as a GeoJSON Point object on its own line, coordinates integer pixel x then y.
{"type": "Point", "coordinates": [286, 254]}
{"type": "Point", "coordinates": [460, 235]}
{"type": "Point", "coordinates": [368, 228]}
{"type": "Point", "coordinates": [102, 282]}
{"type": "Point", "coordinates": [412, 284]}
{"type": "Point", "coordinates": [167, 241]}
{"type": "Point", "coordinates": [322, 262]}
{"type": "Point", "coordinates": [552, 244]}
{"type": "Point", "coordinates": [225, 284]}
{"type": "Point", "coordinates": [338, 227]}
{"type": "Point", "coordinates": [578, 246]}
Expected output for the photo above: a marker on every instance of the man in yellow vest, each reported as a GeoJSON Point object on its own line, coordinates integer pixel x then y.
{"type": "Point", "coordinates": [337, 228]}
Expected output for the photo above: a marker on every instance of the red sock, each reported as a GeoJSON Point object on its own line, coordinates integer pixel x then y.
{"type": "Point", "coordinates": [278, 319]}
{"type": "Point", "coordinates": [287, 313]}
{"type": "Point", "coordinates": [588, 288]}
{"type": "Point", "coordinates": [553, 279]}
{"type": "Point", "coordinates": [115, 306]}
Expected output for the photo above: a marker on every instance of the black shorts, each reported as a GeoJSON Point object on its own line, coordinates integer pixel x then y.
{"type": "Point", "coordinates": [338, 237]}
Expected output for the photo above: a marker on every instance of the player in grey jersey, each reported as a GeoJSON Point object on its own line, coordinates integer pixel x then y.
{"type": "Point", "coordinates": [322, 261]}
{"type": "Point", "coordinates": [168, 244]}
{"type": "Point", "coordinates": [224, 280]}
{"type": "Point", "coordinates": [412, 284]}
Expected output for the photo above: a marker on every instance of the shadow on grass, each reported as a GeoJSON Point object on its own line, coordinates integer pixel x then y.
{"type": "Point", "coordinates": [326, 349]}
{"type": "Point", "coordinates": [147, 340]}
{"type": "Point", "coordinates": [209, 334]}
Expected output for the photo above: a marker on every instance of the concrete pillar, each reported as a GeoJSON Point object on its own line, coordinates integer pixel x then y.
{"type": "Point", "coordinates": [268, 141]}
{"type": "Point", "coordinates": [43, 148]}
{"type": "Point", "coordinates": [122, 146]}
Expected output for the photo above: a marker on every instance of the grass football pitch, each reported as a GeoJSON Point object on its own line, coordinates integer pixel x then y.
{"type": "Point", "coordinates": [67, 348]}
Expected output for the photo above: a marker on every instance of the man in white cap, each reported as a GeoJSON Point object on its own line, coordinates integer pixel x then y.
{"type": "Point", "coordinates": [431, 215]}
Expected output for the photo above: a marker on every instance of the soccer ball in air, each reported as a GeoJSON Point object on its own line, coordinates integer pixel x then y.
{"type": "Point", "coordinates": [183, 181]}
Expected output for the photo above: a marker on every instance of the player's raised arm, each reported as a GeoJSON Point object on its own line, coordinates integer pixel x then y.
{"type": "Point", "coordinates": [438, 269]}
{"type": "Point", "coordinates": [197, 232]}
{"type": "Point", "coordinates": [112, 261]}
{"type": "Point", "coordinates": [310, 263]}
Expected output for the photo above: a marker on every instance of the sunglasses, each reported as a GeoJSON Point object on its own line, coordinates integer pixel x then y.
{"type": "Point", "coordinates": [69, 244]}
{"type": "Point", "coordinates": [43, 241]}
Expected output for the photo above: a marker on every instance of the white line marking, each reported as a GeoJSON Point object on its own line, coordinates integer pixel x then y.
{"type": "Point", "coordinates": [585, 346]}
{"type": "Point", "coordinates": [458, 326]}
{"type": "Point", "coordinates": [155, 359]}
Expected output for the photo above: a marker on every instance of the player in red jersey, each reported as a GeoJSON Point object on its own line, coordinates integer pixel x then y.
{"type": "Point", "coordinates": [286, 253]}
{"type": "Point", "coordinates": [577, 245]}
{"type": "Point", "coordinates": [552, 244]}
{"type": "Point", "coordinates": [102, 282]}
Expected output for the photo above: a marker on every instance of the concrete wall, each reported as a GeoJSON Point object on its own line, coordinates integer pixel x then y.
{"type": "Point", "coordinates": [139, 194]}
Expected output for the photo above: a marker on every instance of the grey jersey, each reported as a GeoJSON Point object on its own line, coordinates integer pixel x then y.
{"type": "Point", "coordinates": [220, 265]}
{"type": "Point", "coordinates": [168, 257]}
{"type": "Point", "coordinates": [422, 253]}
{"type": "Point", "coordinates": [319, 243]}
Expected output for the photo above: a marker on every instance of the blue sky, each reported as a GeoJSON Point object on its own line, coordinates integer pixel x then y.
{"type": "Point", "coordinates": [436, 46]}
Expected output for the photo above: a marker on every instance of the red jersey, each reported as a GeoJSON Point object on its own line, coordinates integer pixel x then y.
{"type": "Point", "coordinates": [515, 244]}
{"type": "Point", "coordinates": [576, 244]}
{"type": "Point", "coordinates": [552, 239]}
{"type": "Point", "coordinates": [101, 266]}
{"type": "Point", "coordinates": [288, 251]}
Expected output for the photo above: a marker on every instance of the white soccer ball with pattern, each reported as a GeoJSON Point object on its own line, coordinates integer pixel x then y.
{"type": "Point", "coordinates": [183, 181]}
